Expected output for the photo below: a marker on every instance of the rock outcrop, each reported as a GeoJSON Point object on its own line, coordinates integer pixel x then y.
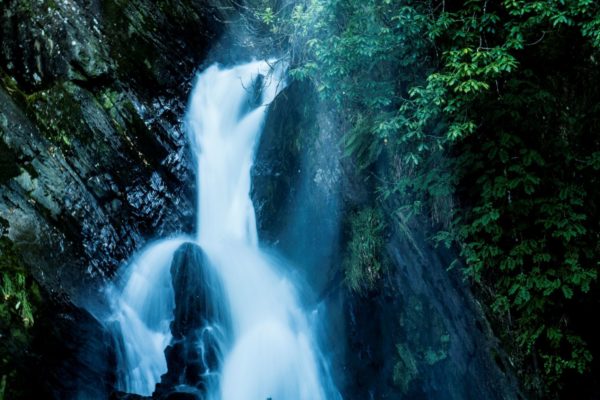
{"type": "Point", "coordinates": [199, 327]}
{"type": "Point", "coordinates": [297, 180]}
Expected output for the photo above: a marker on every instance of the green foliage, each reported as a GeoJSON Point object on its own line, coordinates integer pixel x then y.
{"type": "Point", "coordinates": [16, 290]}
{"type": "Point", "coordinates": [364, 262]}
{"type": "Point", "coordinates": [17, 309]}
{"type": "Point", "coordinates": [362, 56]}
{"type": "Point", "coordinates": [481, 116]}
{"type": "Point", "coordinates": [15, 299]}
{"type": "Point", "coordinates": [528, 230]}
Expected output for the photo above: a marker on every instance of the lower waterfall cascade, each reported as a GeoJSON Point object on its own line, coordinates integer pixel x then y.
{"type": "Point", "coordinates": [257, 342]}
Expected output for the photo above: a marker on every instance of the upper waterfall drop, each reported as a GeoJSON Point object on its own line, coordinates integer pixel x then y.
{"type": "Point", "coordinates": [272, 354]}
{"type": "Point", "coordinates": [266, 348]}
{"type": "Point", "coordinates": [224, 119]}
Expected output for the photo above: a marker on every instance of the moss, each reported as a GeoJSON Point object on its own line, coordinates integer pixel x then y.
{"type": "Point", "coordinates": [109, 99]}
{"type": "Point", "coordinates": [59, 115]}
{"type": "Point", "coordinates": [405, 370]}
{"type": "Point", "coordinates": [57, 111]}
{"type": "Point", "coordinates": [424, 341]}
{"type": "Point", "coordinates": [11, 86]}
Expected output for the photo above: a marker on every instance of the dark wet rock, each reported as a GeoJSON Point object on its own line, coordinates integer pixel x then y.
{"type": "Point", "coordinates": [8, 164]}
{"type": "Point", "coordinates": [276, 172]}
{"type": "Point", "coordinates": [46, 41]}
{"type": "Point", "coordinates": [183, 396]}
{"type": "Point", "coordinates": [198, 326]}
{"type": "Point", "coordinates": [198, 291]}
{"type": "Point", "coordinates": [127, 396]}
{"type": "Point", "coordinates": [83, 362]}
{"type": "Point", "coordinates": [423, 336]}
{"type": "Point", "coordinates": [71, 355]}
{"type": "Point", "coordinates": [296, 184]}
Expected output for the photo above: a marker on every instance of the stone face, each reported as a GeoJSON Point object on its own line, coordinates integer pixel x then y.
{"type": "Point", "coordinates": [199, 327]}
{"type": "Point", "coordinates": [297, 182]}
{"type": "Point", "coordinates": [45, 41]}
{"type": "Point", "coordinates": [195, 284]}
{"type": "Point", "coordinates": [423, 335]}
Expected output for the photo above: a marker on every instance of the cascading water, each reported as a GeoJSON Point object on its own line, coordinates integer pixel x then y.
{"type": "Point", "coordinates": [270, 351]}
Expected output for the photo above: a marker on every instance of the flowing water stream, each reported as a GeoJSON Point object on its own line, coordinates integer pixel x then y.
{"type": "Point", "coordinates": [269, 350]}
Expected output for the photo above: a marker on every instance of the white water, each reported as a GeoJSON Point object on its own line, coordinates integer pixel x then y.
{"type": "Point", "coordinates": [143, 312]}
{"type": "Point", "coordinates": [273, 354]}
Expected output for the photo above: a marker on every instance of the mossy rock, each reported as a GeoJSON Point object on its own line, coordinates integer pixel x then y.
{"type": "Point", "coordinates": [405, 370]}
{"type": "Point", "coordinates": [40, 49]}
{"type": "Point", "coordinates": [58, 114]}
{"type": "Point", "coordinates": [424, 343]}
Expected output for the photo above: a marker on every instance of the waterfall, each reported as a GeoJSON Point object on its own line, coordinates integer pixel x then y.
{"type": "Point", "coordinates": [269, 349]}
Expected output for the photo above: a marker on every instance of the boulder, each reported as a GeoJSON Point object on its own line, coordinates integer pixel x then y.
{"type": "Point", "coordinates": [199, 326]}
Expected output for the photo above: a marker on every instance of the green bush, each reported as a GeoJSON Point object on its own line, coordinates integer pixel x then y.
{"type": "Point", "coordinates": [20, 295]}
{"type": "Point", "coordinates": [364, 263]}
